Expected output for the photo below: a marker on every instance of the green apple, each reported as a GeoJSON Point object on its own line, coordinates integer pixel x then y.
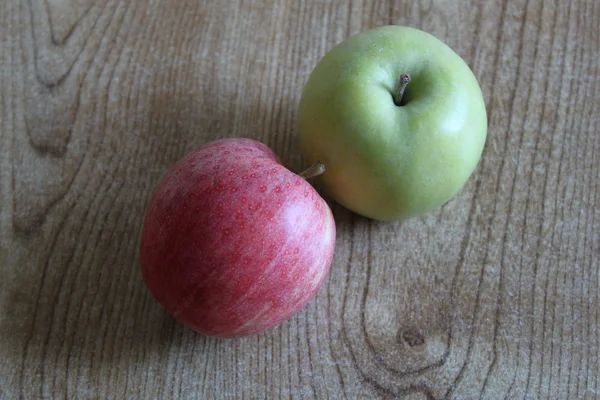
{"type": "Point", "coordinates": [397, 118]}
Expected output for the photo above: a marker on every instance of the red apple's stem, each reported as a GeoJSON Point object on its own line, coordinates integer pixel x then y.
{"type": "Point", "coordinates": [404, 80]}
{"type": "Point", "coordinates": [314, 170]}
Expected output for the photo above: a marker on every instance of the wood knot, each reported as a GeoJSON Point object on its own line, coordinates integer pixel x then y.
{"type": "Point", "coordinates": [412, 337]}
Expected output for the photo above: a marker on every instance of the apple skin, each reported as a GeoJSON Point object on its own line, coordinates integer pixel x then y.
{"type": "Point", "coordinates": [384, 161]}
{"type": "Point", "coordinates": [233, 242]}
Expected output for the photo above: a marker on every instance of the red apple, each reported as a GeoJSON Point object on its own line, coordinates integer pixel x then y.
{"type": "Point", "coordinates": [233, 242]}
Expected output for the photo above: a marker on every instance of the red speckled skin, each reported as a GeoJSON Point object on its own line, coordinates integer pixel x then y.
{"type": "Point", "coordinates": [233, 242]}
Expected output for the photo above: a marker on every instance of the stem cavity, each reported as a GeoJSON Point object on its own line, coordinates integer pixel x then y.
{"type": "Point", "coordinates": [404, 80]}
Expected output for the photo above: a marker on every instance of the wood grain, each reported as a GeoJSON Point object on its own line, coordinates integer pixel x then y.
{"type": "Point", "coordinates": [496, 295]}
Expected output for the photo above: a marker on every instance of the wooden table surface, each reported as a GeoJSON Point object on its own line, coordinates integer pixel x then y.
{"type": "Point", "coordinates": [496, 295]}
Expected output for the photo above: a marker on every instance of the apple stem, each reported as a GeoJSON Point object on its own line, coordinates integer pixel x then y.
{"type": "Point", "coordinates": [404, 80]}
{"type": "Point", "coordinates": [314, 170]}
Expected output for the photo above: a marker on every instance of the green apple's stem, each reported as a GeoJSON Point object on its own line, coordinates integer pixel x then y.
{"type": "Point", "coordinates": [314, 170]}
{"type": "Point", "coordinates": [404, 80]}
